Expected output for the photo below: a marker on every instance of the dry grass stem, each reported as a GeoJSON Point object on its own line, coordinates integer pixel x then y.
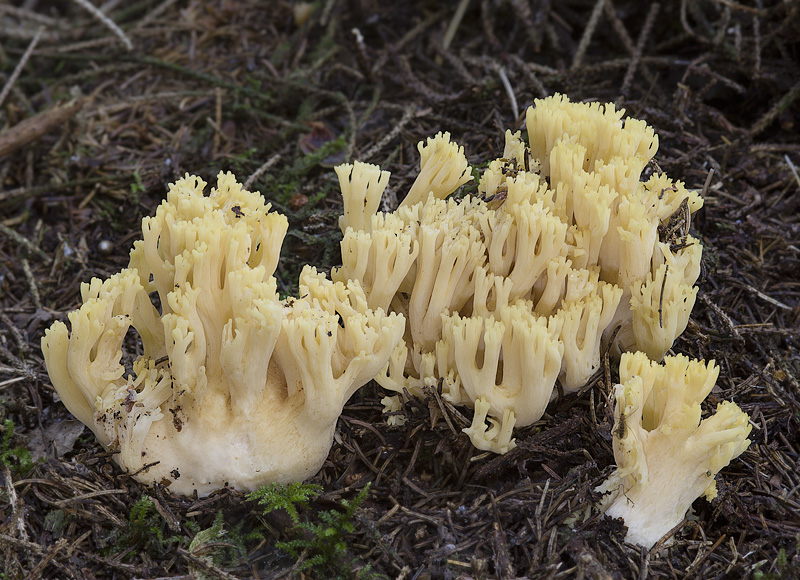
{"type": "Point", "coordinates": [588, 31]}
{"type": "Point", "coordinates": [105, 21]}
{"type": "Point", "coordinates": [21, 64]}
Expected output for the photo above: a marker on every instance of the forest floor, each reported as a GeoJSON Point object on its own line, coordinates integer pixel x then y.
{"type": "Point", "coordinates": [98, 115]}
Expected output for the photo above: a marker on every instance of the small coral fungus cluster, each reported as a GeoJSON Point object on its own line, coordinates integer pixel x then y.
{"type": "Point", "coordinates": [501, 299]}
{"type": "Point", "coordinates": [233, 386]}
{"type": "Point", "coordinates": [564, 253]}
{"type": "Point", "coordinates": [519, 288]}
{"type": "Point", "coordinates": [666, 456]}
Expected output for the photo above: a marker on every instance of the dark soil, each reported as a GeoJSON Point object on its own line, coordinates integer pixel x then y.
{"type": "Point", "coordinates": [93, 131]}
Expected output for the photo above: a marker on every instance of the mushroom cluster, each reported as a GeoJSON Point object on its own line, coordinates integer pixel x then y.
{"type": "Point", "coordinates": [666, 456]}
{"type": "Point", "coordinates": [232, 386]}
{"type": "Point", "coordinates": [564, 252]}
{"type": "Point", "coordinates": [512, 292]}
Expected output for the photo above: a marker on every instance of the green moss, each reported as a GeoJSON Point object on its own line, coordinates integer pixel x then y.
{"type": "Point", "coordinates": [319, 543]}
{"type": "Point", "coordinates": [18, 459]}
{"type": "Point", "coordinates": [146, 530]}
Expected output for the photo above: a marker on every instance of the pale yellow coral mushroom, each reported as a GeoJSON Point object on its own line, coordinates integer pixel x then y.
{"type": "Point", "coordinates": [579, 325]}
{"type": "Point", "coordinates": [234, 386]}
{"type": "Point", "coordinates": [661, 306]}
{"type": "Point", "coordinates": [381, 260]}
{"type": "Point", "coordinates": [666, 456]}
{"type": "Point", "coordinates": [443, 169]}
{"type": "Point", "coordinates": [562, 227]}
{"type": "Point", "coordinates": [598, 127]}
{"type": "Point", "coordinates": [510, 363]}
{"type": "Point", "coordinates": [362, 186]}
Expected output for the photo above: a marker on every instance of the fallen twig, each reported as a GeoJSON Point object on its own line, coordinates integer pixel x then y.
{"type": "Point", "coordinates": [34, 127]}
{"type": "Point", "coordinates": [20, 65]}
